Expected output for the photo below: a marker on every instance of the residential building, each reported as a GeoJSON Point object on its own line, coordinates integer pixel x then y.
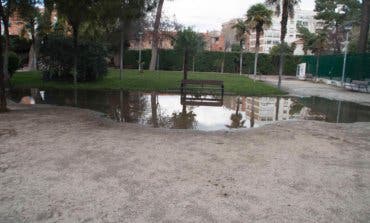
{"type": "Point", "coordinates": [271, 36]}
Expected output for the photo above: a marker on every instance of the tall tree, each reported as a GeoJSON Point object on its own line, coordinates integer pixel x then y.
{"type": "Point", "coordinates": [364, 31]}
{"type": "Point", "coordinates": [286, 9]}
{"type": "Point", "coordinates": [335, 14]}
{"type": "Point", "coordinates": [76, 12]}
{"type": "Point", "coordinates": [315, 42]}
{"type": "Point", "coordinates": [7, 8]}
{"type": "Point", "coordinates": [3, 107]}
{"type": "Point", "coordinates": [258, 18]}
{"type": "Point", "coordinates": [189, 43]}
{"type": "Point", "coordinates": [155, 36]}
{"type": "Point", "coordinates": [241, 29]}
{"type": "Point", "coordinates": [318, 45]}
{"type": "Point", "coordinates": [31, 15]}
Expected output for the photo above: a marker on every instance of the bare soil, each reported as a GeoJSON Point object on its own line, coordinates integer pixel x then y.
{"type": "Point", "coordinates": [61, 164]}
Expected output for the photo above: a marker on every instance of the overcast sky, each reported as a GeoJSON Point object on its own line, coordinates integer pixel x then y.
{"type": "Point", "coordinates": [206, 15]}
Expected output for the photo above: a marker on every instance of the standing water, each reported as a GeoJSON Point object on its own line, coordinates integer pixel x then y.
{"type": "Point", "coordinates": [206, 113]}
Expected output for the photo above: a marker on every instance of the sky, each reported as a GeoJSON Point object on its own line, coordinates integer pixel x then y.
{"type": "Point", "coordinates": [207, 15]}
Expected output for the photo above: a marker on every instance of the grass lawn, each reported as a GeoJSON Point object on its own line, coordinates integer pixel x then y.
{"type": "Point", "coordinates": [163, 81]}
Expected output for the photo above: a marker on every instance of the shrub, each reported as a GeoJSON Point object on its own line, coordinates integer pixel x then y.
{"type": "Point", "coordinates": [57, 58]}
{"type": "Point", "coordinates": [13, 64]}
{"type": "Point", "coordinates": [211, 62]}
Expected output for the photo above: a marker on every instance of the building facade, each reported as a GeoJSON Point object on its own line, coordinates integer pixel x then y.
{"type": "Point", "coordinates": [271, 36]}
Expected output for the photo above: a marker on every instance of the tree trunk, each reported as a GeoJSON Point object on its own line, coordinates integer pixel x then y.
{"type": "Point", "coordinates": [317, 64]}
{"type": "Point", "coordinates": [121, 56]}
{"type": "Point", "coordinates": [153, 100]}
{"type": "Point", "coordinates": [284, 22]}
{"type": "Point", "coordinates": [337, 47]}
{"type": "Point", "coordinates": [32, 61]}
{"type": "Point", "coordinates": [186, 64]}
{"type": "Point", "coordinates": [75, 47]}
{"type": "Point", "coordinates": [364, 32]}
{"type": "Point", "coordinates": [6, 49]}
{"type": "Point", "coordinates": [252, 119]}
{"type": "Point", "coordinates": [2, 76]}
{"type": "Point", "coordinates": [155, 37]}
{"type": "Point", "coordinates": [257, 48]}
{"type": "Point", "coordinates": [241, 58]}
{"type": "Point", "coordinates": [223, 62]}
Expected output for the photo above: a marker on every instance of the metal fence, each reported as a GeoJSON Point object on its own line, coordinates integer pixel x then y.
{"type": "Point", "coordinates": [331, 66]}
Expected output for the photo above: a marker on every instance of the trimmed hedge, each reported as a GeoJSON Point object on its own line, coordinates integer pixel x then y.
{"type": "Point", "coordinates": [212, 61]}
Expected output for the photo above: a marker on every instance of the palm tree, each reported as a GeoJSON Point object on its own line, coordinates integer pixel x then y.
{"type": "Point", "coordinates": [189, 43]}
{"type": "Point", "coordinates": [318, 45]}
{"type": "Point", "coordinates": [286, 7]}
{"type": "Point", "coordinates": [258, 18]}
{"type": "Point", "coordinates": [241, 29]}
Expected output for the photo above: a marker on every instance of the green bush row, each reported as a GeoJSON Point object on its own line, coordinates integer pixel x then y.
{"type": "Point", "coordinates": [212, 62]}
{"type": "Point", "coordinates": [57, 59]}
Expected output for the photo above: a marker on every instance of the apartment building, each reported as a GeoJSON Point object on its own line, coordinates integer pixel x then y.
{"type": "Point", "coordinates": [271, 36]}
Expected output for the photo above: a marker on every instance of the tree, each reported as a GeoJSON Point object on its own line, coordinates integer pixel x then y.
{"type": "Point", "coordinates": [315, 42]}
{"type": "Point", "coordinates": [155, 37]}
{"type": "Point", "coordinates": [318, 45]}
{"type": "Point", "coordinates": [241, 29]}
{"type": "Point", "coordinates": [6, 10]}
{"type": "Point", "coordinates": [258, 18]}
{"type": "Point", "coordinates": [286, 8]}
{"type": "Point", "coordinates": [335, 14]}
{"type": "Point", "coordinates": [364, 30]}
{"type": "Point", "coordinates": [30, 13]}
{"type": "Point", "coordinates": [307, 37]}
{"type": "Point", "coordinates": [76, 12]}
{"type": "Point", "coordinates": [189, 43]}
{"type": "Point", "coordinates": [286, 49]}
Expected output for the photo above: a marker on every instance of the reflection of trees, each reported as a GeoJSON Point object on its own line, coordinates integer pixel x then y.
{"type": "Point", "coordinates": [183, 120]}
{"type": "Point", "coordinates": [157, 119]}
{"type": "Point", "coordinates": [127, 107]}
{"type": "Point", "coordinates": [236, 118]}
{"type": "Point", "coordinates": [252, 114]}
{"type": "Point", "coordinates": [154, 106]}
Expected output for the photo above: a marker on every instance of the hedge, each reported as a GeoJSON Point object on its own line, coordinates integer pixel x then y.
{"type": "Point", "coordinates": [211, 62]}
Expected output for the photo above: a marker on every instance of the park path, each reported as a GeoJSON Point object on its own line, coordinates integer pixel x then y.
{"type": "Point", "coordinates": [60, 164]}
{"type": "Point", "coordinates": [307, 88]}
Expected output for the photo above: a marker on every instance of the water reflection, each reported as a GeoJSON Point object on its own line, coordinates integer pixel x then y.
{"type": "Point", "coordinates": [199, 112]}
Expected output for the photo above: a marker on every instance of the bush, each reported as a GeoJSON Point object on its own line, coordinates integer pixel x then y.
{"type": "Point", "coordinates": [57, 58]}
{"type": "Point", "coordinates": [21, 46]}
{"type": "Point", "coordinates": [13, 64]}
{"type": "Point", "coordinates": [211, 62]}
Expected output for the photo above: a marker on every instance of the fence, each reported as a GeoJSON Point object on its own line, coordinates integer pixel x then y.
{"type": "Point", "coordinates": [331, 66]}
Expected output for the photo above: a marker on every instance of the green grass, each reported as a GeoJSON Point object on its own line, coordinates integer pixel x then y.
{"type": "Point", "coordinates": [163, 81]}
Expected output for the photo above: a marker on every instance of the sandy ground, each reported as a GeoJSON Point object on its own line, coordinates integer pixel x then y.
{"type": "Point", "coordinates": [62, 164]}
{"type": "Point", "coordinates": [308, 88]}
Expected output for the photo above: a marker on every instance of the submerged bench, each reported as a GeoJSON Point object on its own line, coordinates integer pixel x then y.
{"type": "Point", "coordinates": [210, 87]}
{"type": "Point", "coordinates": [356, 85]}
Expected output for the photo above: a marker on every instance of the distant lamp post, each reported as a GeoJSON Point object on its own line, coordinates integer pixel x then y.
{"type": "Point", "coordinates": [140, 48]}
{"type": "Point", "coordinates": [341, 9]}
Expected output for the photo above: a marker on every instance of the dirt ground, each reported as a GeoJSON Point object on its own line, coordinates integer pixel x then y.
{"type": "Point", "coordinates": [308, 88]}
{"type": "Point", "coordinates": [61, 164]}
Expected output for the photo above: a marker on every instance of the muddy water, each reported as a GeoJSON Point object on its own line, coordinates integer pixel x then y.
{"type": "Point", "coordinates": [199, 112]}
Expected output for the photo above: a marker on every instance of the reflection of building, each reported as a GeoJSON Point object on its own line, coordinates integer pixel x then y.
{"type": "Point", "coordinates": [268, 109]}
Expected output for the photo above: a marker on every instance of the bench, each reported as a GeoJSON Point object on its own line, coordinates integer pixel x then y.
{"type": "Point", "coordinates": [202, 87]}
{"type": "Point", "coordinates": [202, 92]}
{"type": "Point", "coordinates": [357, 85]}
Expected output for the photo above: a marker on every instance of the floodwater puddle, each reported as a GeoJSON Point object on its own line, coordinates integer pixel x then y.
{"type": "Point", "coordinates": [200, 112]}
